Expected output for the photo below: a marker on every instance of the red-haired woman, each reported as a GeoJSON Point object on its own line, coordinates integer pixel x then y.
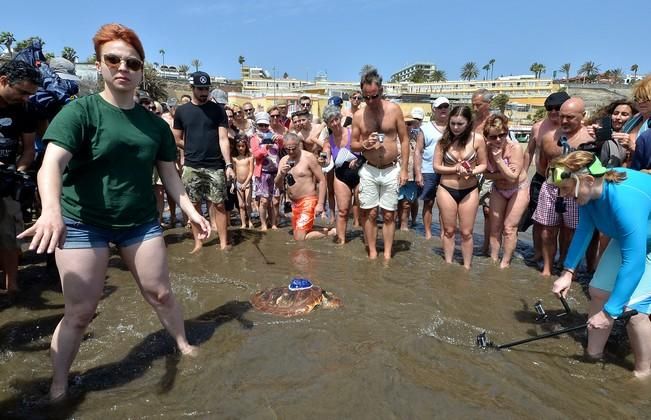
{"type": "Point", "coordinates": [108, 146]}
{"type": "Point", "coordinates": [510, 192]}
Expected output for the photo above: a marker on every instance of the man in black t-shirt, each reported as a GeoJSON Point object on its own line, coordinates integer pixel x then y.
{"type": "Point", "coordinates": [18, 81]}
{"type": "Point", "coordinates": [201, 131]}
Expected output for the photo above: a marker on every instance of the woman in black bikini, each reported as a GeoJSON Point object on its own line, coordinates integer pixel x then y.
{"type": "Point", "coordinates": [458, 157]}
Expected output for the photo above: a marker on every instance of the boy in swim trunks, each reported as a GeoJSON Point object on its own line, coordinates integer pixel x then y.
{"type": "Point", "coordinates": [300, 175]}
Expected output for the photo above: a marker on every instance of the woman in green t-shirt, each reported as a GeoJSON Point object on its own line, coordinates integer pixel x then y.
{"type": "Point", "coordinates": [108, 146]}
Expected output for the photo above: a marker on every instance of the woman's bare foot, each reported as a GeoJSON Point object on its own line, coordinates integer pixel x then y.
{"type": "Point", "coordinates": [190, 351]}
{"type": "Point", "coordinates": [197, 247]}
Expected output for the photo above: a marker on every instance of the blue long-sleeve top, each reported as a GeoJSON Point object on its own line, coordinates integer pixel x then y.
{"type": "Point", "coordinates": [622, 212]}
{"type": "Point", "coordinates": [642, 155]}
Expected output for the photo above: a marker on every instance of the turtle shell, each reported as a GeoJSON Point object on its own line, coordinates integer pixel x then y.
{"type": "Point", "coordinates": [284, 302]}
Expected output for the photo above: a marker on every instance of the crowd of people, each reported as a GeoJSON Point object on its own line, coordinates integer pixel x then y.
{"type": "Point", "coordinates": [112, 156]}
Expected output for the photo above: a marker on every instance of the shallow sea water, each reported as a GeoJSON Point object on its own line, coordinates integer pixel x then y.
{"type": "Point", "coordinates": [403, 345]}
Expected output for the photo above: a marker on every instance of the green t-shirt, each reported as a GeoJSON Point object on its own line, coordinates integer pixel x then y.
{"type": "Point", "coordinates": [108, 180]}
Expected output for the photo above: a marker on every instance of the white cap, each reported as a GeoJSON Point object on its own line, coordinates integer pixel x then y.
{"type": "Point", "coordinates": [262, 118]}
{"type": "Point", "coordinates": [418, 113]}
{"type": "Point", "coordinates": [440, 101]}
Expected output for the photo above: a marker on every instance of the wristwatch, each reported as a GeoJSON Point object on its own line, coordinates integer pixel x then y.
{"type": "Point", "coordinates": [229, 165]}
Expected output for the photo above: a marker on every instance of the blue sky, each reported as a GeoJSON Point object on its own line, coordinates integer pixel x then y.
{"type": "Point", "coordinates": [304, 37]}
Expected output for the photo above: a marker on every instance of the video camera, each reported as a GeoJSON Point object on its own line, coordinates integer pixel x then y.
{"type": "Point", "coordinates": [19, 186]}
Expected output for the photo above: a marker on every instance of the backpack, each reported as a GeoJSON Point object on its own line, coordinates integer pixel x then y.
{"type": "Point", "coordinates": [54, 91]}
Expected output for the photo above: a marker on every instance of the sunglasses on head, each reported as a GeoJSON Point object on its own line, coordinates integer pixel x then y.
{"type": "Point", "coordinates": [113, 61]}
{"type": "Point", "coordinates": [370, 97]}
{"type": "Point", "coordinates": [551, 108]}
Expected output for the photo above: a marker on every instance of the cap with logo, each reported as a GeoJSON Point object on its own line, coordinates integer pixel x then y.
{"type": "Point", "coordinates": [336, 101]}
{"type": "Point", "coordinates": [200, 79]}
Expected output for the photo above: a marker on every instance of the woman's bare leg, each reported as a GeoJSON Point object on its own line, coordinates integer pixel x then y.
{"type": "Point", "coordinates": [82, 273]}
{"type": "Point", "coordinates": [467, 215]}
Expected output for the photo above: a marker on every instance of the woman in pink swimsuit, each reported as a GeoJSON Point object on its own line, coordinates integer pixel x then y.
{"type": "Point", "coordinates": [510, 194]}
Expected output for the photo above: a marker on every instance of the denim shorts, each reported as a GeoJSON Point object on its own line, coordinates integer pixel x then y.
{"type": "Point", "coordinates": [431, 183]}
{"type": "Point", "coordinates": [82, 236]}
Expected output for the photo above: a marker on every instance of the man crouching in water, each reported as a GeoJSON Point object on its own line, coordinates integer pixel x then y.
{"type": "Point", "coordinates": [298, 172]}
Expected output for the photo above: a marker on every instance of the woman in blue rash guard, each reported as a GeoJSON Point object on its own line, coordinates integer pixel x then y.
{"type": "Point", "coordinates": [617, 202]}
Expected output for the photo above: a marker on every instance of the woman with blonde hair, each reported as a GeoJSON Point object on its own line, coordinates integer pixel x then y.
{"type": "Point", "coordinates": [616, 202]}
{"type": "Point", "coordinates": [509, 194]}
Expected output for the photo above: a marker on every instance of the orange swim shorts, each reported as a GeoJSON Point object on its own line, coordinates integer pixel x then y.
{"type": "Point", "coordinates": [303, 213]}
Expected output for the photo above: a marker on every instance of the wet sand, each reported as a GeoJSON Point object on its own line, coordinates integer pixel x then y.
{"type": "Point", "coordinates": [403, 345]}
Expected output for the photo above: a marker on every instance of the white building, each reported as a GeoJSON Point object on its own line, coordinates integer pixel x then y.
{"type": "Point", "coordinates": [405, 73]}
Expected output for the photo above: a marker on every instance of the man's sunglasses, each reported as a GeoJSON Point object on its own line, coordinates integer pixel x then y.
{"type": "Point", "coordinates": [113, 62]}
{"type": "Point", "coordinates": [443, 106]}
{"type": "Point", "coordinates": [356, 98]}
{"type": "Point", "coordinates": [306, 104]}
{"type": "Point", "coordinates": [248, 110]}
{"type": "Point", "coordinates": [370, 97]}
{"type": "Point", "coordinates": [275, 116]}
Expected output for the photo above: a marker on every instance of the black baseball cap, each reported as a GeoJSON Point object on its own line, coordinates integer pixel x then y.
{"type": "Point", "coordinates": [200, 79]}
{"type": "Point", "coordinates": [556, 99]}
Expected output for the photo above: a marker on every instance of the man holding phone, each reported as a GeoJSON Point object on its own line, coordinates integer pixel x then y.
{"type": "Point", "coordinates": [375, 133]}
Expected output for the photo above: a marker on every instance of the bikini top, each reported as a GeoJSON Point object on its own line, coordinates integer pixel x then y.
{"type": "Point", "coordinates": [449, 160]}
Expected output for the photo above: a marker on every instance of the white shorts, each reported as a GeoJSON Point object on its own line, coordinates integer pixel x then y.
{"type": "Point", "coordinates": [379, 187]}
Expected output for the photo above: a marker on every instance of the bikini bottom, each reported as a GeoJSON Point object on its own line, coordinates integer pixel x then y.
{"type": "Point", "coordinates": [508, 192]}
{"type": "Point", "coordinates": [458, 195]}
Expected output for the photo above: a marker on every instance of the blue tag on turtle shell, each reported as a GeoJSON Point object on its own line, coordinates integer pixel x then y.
{"type": "Point", "coordinates": [299, 284]}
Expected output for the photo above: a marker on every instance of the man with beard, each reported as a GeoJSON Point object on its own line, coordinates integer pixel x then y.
{"type": "Point", "coordinates": [201, 130]}
{"type": "Point", "coordinates": [18, 80]}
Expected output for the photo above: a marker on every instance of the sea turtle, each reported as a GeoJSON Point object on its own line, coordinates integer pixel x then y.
{"type": "Point", "coordinates": [285, 302]}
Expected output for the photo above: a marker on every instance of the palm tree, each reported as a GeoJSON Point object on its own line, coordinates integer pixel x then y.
{"type": "Point", "coordinates": [500, 101]}
{"type": "Point", "coordinates": [241, 60]}
{"type": "Point", "coordinates": [7, 39]}
{"type": "Point", "coordinates": [91, 58]}
{"type": "Point", "coordinates": [162, 53]}
{"type": "Point", "coordinates": [565, 68]}
{"type": "Point", "coordinates": [616, 75]}
{"type": "Point", "coordinates": [418, 76]}
{"type": "Point", "coordinates": [21, 45]}
{"type": "Point", "coordinates": [487, 67]}
{"type": "Point", "coordinates": [183, 68]}
{"type": "Point", "coordinates": [196, 63]}
{"type": "Point", "coordinates": [492, 63]}
{"type": "Point", "coordinates": [437, 76]}
{"type": "Point", "coordinates": [69, 53]}
{"type": "Point", "coordinates": [537, 69]}
{"type": "Point", "coordinates": [634, 69]}
{"type": "Point", "coordinates": [588, 70]}
{"type": "Point", "coordinates": [469, 71]}
{"type": "Point", "coordinates": [285, 75]}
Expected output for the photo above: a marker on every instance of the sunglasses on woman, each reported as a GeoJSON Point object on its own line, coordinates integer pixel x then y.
{"type": "Point", "coordinates": [113, 62]}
